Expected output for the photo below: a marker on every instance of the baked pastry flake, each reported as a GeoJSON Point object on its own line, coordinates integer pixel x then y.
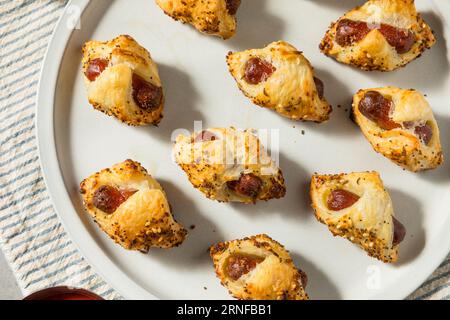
{"type": "Point", "coordinates": [229, 165]}
{"type": "Point", "coordinates": [258, 268]}
{"type": "Point", "coordinates": [356, 206]}
{"type": "Point", "coordinates": [379, 35]}
{"type": "Point", "coordinates": [400, 125]}
{"type": "Point", "coordinates": [122, 81]}
{"type": "Point", "coordinates": [214, 17]}
{"type": "Point", "coordinates": [280, 78]}
{"type": "Point", "coordinates": [131, 207]}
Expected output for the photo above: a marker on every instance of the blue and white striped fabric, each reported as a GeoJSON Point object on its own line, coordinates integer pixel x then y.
{"type": "Point", "coordinates": [31, 236]}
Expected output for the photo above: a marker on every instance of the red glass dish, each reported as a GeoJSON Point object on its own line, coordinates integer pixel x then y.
{"type": "Point", "coordinates": [63, 293]}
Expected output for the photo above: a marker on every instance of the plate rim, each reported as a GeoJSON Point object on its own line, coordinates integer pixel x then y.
{"type": "Point", "coordinates": [60, 199]}
{"type": "Point", "coordinates": [49, 161]}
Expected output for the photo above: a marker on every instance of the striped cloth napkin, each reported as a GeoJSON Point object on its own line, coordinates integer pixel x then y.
{"type": "Point", "coordinates": [31, 236]}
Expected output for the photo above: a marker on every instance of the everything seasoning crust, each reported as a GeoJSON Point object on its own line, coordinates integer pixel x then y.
{"type": "Point", "coordinates": [271, 276]}
{"type": "Point", "coordinates": [290, 87]}
{"type": "Point", "coordinates": [213, 17]}
{"type": "Point", "coordinates": [229, 165]}
{"type": "Point", "coordinates": [123, 81]}
{"type": "Point", "coordinates": [138, 215]}
{"type": "Point", "coordinates": [385, 21]}
{"type": "Point", "coordinates": [403, 144]}
{"type": "Point", "coordinates": [368, 222]}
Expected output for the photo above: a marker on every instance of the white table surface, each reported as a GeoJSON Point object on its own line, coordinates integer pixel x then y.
{"type": "Point", "coordinates": [8, 286]}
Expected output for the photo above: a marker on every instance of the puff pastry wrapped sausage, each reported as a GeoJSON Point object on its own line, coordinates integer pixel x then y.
{"type": "Point", "coordinates": [215, 17]}
{"type": "Point", "coordinates": [357, 207]}
{"type": "Point", "coordinates": [229, 165]}
{"type": "Point", "coordinates": [280, 78]}
{"type": "Point", "coordinates": [122, 81]}
{"type": "Point", "coordinates": [258, 268]}
{"type": "Point", "coordinates": [131, 207]}
{"type": "Point", "coordinates": [380, 35]}
{"type": "Point", "coordinates": [400, 125]}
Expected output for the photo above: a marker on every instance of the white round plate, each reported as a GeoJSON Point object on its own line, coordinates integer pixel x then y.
{"type": "Point", "coordinates": [76, 141]}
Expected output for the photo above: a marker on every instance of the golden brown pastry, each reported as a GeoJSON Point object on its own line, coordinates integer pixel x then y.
{"type": "Point", "coordinates": [215, 17]}
{"type": "Point", "coordinates": [400, 125]}
{"type": "Point", "coordinates": [258, 268]}
{"type": "Point", "coordinates": [357, 207]}
{"type": "Point", "coordinates": [280, 78]}
{"type": "Point", "coordinates": [123, 81]}
{"type": "Point", "coordinates": [380, 35]}
{"type": "Point", "coordinates": [229, 165]}
{"type": "Point", "coordinates": [131, 207]}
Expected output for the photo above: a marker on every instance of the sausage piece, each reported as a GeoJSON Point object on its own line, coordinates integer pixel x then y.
{"type": "Point", "coordinates": [399, 232]}
{"type": "Point", "coordinates": [349, 32]}
{"type": "Point", "coordinates": [108, 198]}
{"type": "Point", "coordinates": [320, 87]}
{"type": "Point", "coordinates": [424, 132]}
{"type": "Point", "coordinates": [340, 199]}
{"type": "Point", "coordinates": [146, 95]}
{"type": "Point", "coordinates": [248, 185]}
{"type": "Point", "coordinates": [303, 278]}
{"type": "Point", "coordinates": [402, 40]}
{"type": "Point", "coordinates": [377, 108]}
{"type": "Point", "coordinates": [240, 264]}
{"type": "Point", "coordinates": [95, 68]}
{"type": "Point", "coordinates": [205, 136]}
{"type": "Point", "coordinates": [258, 70]}
{"type": "Point", "coordinates": [233, 6]}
